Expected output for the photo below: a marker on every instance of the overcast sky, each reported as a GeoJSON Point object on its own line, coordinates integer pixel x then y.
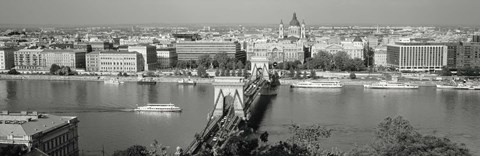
{"type": "Point", "coordinates": [384, 12]}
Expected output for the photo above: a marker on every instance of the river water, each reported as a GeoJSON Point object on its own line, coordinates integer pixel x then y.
{"type": "Point", "coordinates": [353, 112]}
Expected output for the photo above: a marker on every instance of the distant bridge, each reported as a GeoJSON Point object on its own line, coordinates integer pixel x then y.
{"type": "Point", "coordinates": [233, 102]}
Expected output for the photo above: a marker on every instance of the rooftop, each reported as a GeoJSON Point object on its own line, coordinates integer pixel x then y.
{"type": "Point", "coordinates": [63, 51]}
{"type": "Point", "coordinates": [30, 123]}
{"type": "Point", "coordinates": [117, 52]}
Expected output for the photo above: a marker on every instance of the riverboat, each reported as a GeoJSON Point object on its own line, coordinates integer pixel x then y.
{"type": "Point", "coordinates": [158, 108]}
{"type": "Point", "coordinates": [146, 81]}
{"type": "Point", "coordinates": [317, 84]}
{"type": "Point", "coordinates": [113, 81]}
{"type": "Point", "coordinates": [457, 87]}
{"type": "Point", "coordinates": [390, 85]}
{"type": "Point", "coordinates": [187, 82]}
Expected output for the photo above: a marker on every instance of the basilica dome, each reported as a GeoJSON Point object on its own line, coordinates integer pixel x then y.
{"type": "Point", "coordinates": [294, 21]}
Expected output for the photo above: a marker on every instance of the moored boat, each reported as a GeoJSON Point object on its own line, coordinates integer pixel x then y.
{"type": "Point", "coordinates": [158, 108]}
{"type": "Point", "coordinates": [317, 84]}
{"type": "Point", "coordinates": [390, 85]}
{"type": "Point", "coordinates": [458, 87]}
{"type": "Point", "coordinates": [113, 81]}
{"type": "Point", "coordinates": [145, 81]}
{"type": "Point", "coordinates": [187, 82]}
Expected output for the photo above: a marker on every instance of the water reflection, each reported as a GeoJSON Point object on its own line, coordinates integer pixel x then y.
{"type": "Point", "coordinates": [102, 121]}
{"type": "Point", "coordinates": [160, 115]}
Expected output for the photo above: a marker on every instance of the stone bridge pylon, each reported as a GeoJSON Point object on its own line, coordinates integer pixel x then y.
{"type": "Point", "coordinates": [259, 66]}
{"type": "Point", "coordinates": [228, 91]}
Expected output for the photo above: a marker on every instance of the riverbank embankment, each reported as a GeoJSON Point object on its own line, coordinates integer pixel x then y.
{"type": "Point", "coordinates": [176, 79]}
{"type": "Point", "coordinates": [99, 78]}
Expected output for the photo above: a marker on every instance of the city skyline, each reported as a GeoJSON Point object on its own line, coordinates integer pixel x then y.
{"type": "Point", "coordinates": [324, 12]}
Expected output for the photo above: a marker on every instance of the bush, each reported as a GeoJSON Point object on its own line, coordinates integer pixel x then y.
{"type": "Point", "coordinates": [13, 72]}
{"type": "Point", "coordinates": [395, 136]}
{"type": "Point", "coordinates": [217, 72]}
{"type": "Point", "coordinates": [313, 74]}
{"type": "Point", "coordinates": [54, 68]}
{"type": "Point", "coordinates": [353, 76]}
{"type": "Point", "coordinates": [227, 72]}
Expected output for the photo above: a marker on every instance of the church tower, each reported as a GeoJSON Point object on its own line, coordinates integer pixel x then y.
{"type": "Point", "coordinates": [280, 30]}
{"type": "Point", "coordinates": [302, 30]}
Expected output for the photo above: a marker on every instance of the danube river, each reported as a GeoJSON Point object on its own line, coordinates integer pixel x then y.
{"type": "Point", "coordinates": [353, 112]}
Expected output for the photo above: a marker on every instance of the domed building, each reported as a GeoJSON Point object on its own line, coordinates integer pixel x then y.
{"type": "Point", "coordinates": [295, 29]}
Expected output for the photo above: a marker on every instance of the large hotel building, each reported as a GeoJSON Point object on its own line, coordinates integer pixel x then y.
{"type": "Point", "coordinates": [417, 56]}
{"type": "Point", "coordinates": [191, 50]}
{"type": "Point", "coordinates": [114, 61]}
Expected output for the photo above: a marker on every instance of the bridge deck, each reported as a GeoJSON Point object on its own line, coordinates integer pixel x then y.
{"type": "Point", "coordinates": [219, 128]}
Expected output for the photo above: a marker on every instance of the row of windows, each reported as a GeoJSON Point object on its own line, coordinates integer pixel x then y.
{"type": "Point", "coordinates": [117, 58]}
{"type": "Point", "coordinates": [55, 142]}
{"type": "Point", "coordinates": [118, 63]}
{"type": "Point", "coordinates": [416, 58]}
{"type": "Point", "coordinates": [118, 68]}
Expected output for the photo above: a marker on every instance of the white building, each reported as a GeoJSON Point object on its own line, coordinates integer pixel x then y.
{"type": "Point", "coordinates": [277, 52]}
{"type": "Point", "coordinates": [380, 56]}
{"type": "Point", "coordinates": [149, 54]}
{"type": "Point", "coordinates": [417, 56]}
{"type": "Point", "coordinates": [353, 48]}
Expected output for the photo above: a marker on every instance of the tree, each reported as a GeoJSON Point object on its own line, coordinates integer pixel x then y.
{"type": "Point", "coordinates": [292, 73]}
{"type": "Point", "coordinates": [446, 71]}
{"type": "Point", "coordinates": [150, 74]}
{"type": "Point", "coordinates": [246, 74]}
{"type": "Point", "coordinates": [264, 137]}
{"type": "Point", "coordinates": [466, 71]}
{"type": "Point", "coordinates": [239, 74]}
{"type": "Point", "coordinates": [201, 72]}
{"type": "Point", "coordinates": [353, 76]}
{"type": "Point", "coordinates": [191, 64]}
{"type": "Point", "coordinates": [13, 150]}
{"type": "Point", "coordinates": [182, 64]}
{"type": "Point", "coordinates": [309, 63]}
{"type": "Point", "coordinates": [356, 65]}
{"type": "Point", "coordinates": [64, 70]}
{"type": "Point", "coordinates": [204, 60]}
{"type": "Point", "coordinates": [217, 72]}
{"type": "Point", "coordinates": [299, 74]}
{"type": "Point", "coordinates": [369, 57]}
{"type": "Point", "coordinates": [54, 69]}
{"type": "Point", "coordinates": [13, 72]}
{"type": "Point", "coordinates": [248, 65]}
{"type": "Point", "coordinates": [309, 137]}
{"type": "Point", "coordinates": [313, 74]}
{"type": "Point", "coordinates": [220, 58]}
{"type": "Point", "coordinates": [239, 65]}
{"type": "Point", "coordinates": [157, 149]}
{"type": "Point", "coordinates": [230, 65]}
{"type": "Point", "coordinates": [397, 137]}
{"type": "Point", "coordinates": [341, 60]}
{"type": "Point", "coordinates": [223, 70]}
{"type": "Point", "coordinates": [322, 60]}
{"type": "Point", "coordinates": [227, 72]}
{"type": "Point", "coordinates": [135, 150]}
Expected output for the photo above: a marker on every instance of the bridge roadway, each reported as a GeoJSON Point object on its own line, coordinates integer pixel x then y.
{"type": "Point", "coordinates": [218, 128]}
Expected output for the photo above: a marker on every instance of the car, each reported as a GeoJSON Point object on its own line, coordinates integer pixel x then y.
{"type": "Point", "coordinates": [214, 139]}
